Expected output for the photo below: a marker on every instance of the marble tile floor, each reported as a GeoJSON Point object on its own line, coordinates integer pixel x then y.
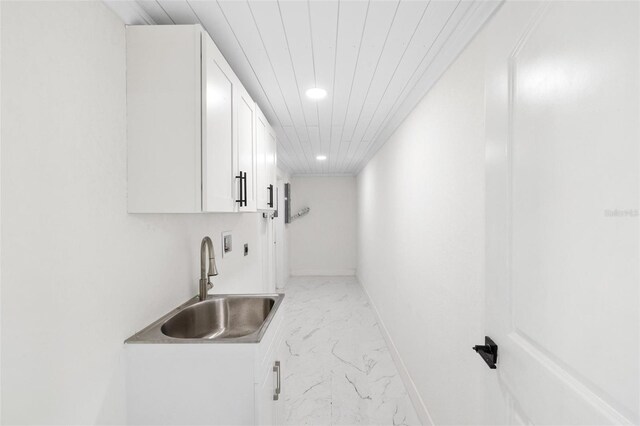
{"type": "Point", "coordinates": [338, 368]}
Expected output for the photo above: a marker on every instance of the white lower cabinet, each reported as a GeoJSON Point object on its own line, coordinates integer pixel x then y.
{"type": "Point", "coordinates": [269, 392]}
{"type": "Point", "coordinates": [207, 383]}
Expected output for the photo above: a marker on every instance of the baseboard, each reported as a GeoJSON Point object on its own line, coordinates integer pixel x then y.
{"type": "Point", "coordinates": [418, 403]}
{"type": "Point", "coordinates": [323, 272]}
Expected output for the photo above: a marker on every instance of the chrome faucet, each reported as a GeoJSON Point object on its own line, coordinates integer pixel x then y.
{"type": "Point", "coordinates": [206, 272]}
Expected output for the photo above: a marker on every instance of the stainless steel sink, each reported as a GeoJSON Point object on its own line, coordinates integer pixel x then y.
{"type": "Point", "coordinates": [230, 318]}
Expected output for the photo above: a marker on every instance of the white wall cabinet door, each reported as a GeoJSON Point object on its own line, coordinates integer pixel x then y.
{"type": "Point", "coordinates": [190, 124]}
{"type": "Point", "coordinates": [262, 149]}
{"type": "Point", "coordinates": [246, 151]}
{"type": "Point", "coordinates": [164, 116]}
{"type": "Point", "coordinates": [218, 81]}
{"type": "Point", "coordinates": [266, 163]}
{"type": "Point", "coordinates": [271, 165]}
{"type": "Point", "coordinates": [562, 255]}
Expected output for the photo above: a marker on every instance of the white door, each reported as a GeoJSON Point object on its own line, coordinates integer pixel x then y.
{"type": "Point", "coordinates": [562, 210]}
{"type": "Point", "coordinates": [218, 183]}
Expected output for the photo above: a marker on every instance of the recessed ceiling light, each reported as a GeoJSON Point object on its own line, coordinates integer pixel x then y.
{"type": "Point", "coordinates": [321, 157]}
{"type": "Point", "coordinates": [316, 93]}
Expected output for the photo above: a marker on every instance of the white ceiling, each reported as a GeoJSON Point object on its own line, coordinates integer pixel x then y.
{"type": "Point", "coordinates": [376, 59]}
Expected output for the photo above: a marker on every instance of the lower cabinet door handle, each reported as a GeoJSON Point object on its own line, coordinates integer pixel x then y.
{"type": "Point", "coordinates": [276, 369]}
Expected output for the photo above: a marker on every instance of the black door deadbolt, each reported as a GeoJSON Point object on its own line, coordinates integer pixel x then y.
{"type": "Point", "coordinates": [488, 352]}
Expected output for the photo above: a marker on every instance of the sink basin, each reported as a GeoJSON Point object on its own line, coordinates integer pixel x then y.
{"type": "Point", "coordinates": [223, 317]}
{"type": "Point", "coordinates": [220, 318]}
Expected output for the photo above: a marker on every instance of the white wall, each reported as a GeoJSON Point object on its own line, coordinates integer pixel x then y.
{"type": "Point", "coordinates": [0, 213]}
{"type": "Point", "coordinates": [79, 275]}
{"type": "Point", "coordinates": [421, 241]}
{"type": "Point", "coordinates": [324, 241]}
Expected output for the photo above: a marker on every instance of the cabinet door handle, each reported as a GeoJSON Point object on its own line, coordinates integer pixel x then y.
{"type": "Point", "coordinates": [246, 194]}
{"type": "Point", "coordinates": [276, 369]}
{"type": "Point", "coordinates": [243, 189]}
{"type": "Point", "coordinates": [270, 188]}
{"type": "Point", "coordinates": [240, 201]}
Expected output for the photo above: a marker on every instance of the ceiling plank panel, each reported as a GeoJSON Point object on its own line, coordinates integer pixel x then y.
{"type": "Point", "coordinates": [294, 17]}
{"type": "Point", "coordinates": [217, 25]}
{"type": "Point", "coordinates": [445, 16]}
{"type": "Point", "coordinates": [406, 25]}
{"type": "Point", "coordinates": [289, 149]}
{"type": "Point", "coordinates": [314, 141]}
{"type": "Point", "coordinates": [298, 145]}
{"type": "Point", "coordinates": [426, 35]}
{"type": "Point", "coordinates": [292, 147]}
{"type": "Point", "coordinates": [239, 16]}
{"type": "Point", "coordinates": [377, 28]}
{"type": "Point", "coordinates": [180, 11]}
{"type": "Point", "coordinates": [284, 159]}
{"type": "Point", "coordinates": [336, 133]}
{"type": "Point", "coordinates": [353, 15]}
{"type": "Point", "coordinates": [457, 16]}
{"type": "Point", "coordinates": [266, 16]}
{"type": "Point", "coordinates": [376, 59]}
{"type": "Point", "coordinates": [295, 21]}
{"type": "Point", "coordinates": [130, 12]}
{"type": "Point", "coordinates": [448, 17]}
{"type": "Point", "coordinates": [434, 50]}
{"type": "Point", "coordinates": [473, 19]}
{"type": "Point", "coordinates": [157, 13]}
{"type": "Point", "coordinates": [324, 35]}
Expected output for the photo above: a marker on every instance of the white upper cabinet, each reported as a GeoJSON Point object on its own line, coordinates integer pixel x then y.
{"type": "Point", "coordinates": [246, 150]}
{"type": "Point", "coordinates": [266, 163]}
{"type": "Point", "coordinates": [191, 125]}
{"type": "Point", "coordinates": [271, 166]}
{"type": "Point", "coordinates": [218, 81]}
{"type": "Point", "coordinates": [261, 131]}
